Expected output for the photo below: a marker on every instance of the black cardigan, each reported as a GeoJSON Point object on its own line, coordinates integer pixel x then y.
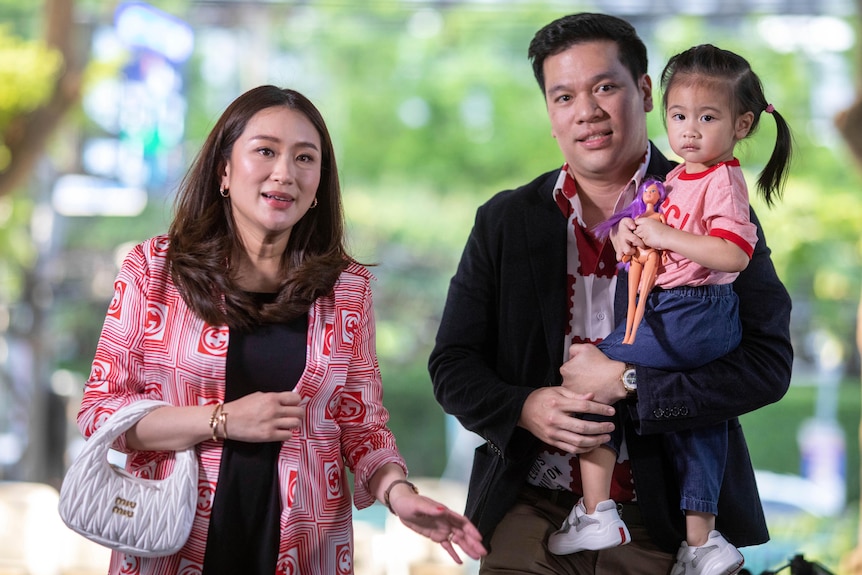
{"type": "Point", "coordinates": [501, 337]}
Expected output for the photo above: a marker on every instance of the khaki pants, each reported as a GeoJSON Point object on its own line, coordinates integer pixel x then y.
{"type": "Point", "coordinates": [520, 543]}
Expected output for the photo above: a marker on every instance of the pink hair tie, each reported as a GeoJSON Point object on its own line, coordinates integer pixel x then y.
{"type": "Point", "coordinates": [770, 108]}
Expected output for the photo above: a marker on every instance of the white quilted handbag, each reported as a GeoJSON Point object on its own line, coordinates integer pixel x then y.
{"type": "Point", "coordinates": [106, 504]}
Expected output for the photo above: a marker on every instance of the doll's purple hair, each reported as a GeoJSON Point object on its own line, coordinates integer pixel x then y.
{"type": "Point", "coordinates": [636, 208]}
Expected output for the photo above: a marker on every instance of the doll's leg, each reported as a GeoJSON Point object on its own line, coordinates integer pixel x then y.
{"type": "Point", "coordinates": [647, 281]}
{"type": "Point", "coordinates": [635, 269]}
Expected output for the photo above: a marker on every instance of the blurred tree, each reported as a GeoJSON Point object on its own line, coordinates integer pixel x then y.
{"type": "Point", "coordinates": [433, 108]}
{"type": "Point", "coordinates": [850, 124]}
{"type": "Point", "coordinates": [41, 80]}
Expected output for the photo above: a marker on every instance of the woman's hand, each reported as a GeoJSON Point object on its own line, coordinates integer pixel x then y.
{"type": "Point", "coordinates": [437, 522]}
{"type": "Point", "coordinates": [256, 418]}
{"type": "Point", "coordinates": [260, 417]}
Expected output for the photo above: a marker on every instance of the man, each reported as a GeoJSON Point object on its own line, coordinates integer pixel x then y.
{"type": "Point", "coordinates": [534, 291]}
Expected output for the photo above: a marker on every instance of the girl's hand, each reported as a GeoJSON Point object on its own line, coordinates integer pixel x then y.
{"type": "Point", "coordinates": [437, 522]}
{"type": "Point", "coordinates": [652, 233]}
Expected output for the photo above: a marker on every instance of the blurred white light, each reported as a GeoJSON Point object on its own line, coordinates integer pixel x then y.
{"type": "Point", "coordinates": [807, 33]}
{"type": "Point", "coordinates": [102, 103]}
{"type": "Point", "coordinates": [141, 25]}
{"type": "Point", "coordinates": [65, 383]}
{"type": "Point", "coordinates": [11, 449]}
{"type": "Point", "coordinates": [477, 114]}
{"type": "Point", "coordinates": [414, 112]}
{"type": "Point", "coordinates": [81, 195]}
{"type": "Point", "coordinates": [42, 225]}
{"type": "Point", "coordinates": [425, 23]}
{"type": "Point", "coordinates": [100, 156]}
{"type": "Point", "coordinates": [121, 251]}
{"type": "Point", "coordinates": [832, 34]}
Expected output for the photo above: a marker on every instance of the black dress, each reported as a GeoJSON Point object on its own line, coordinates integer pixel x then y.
{"type": "Point", "coordinates": [244, 528]}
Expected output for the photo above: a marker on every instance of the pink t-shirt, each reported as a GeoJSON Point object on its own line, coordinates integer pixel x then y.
{"type": "Point", "coordinates": [713, 202]}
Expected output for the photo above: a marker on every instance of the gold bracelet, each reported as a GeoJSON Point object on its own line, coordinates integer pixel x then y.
{"type": "Point", "coordinates": [388, 489]}
{"type": "Point", "coordinates": [222, 419]}
{"type": "Point", "coordinates": [215, 418]}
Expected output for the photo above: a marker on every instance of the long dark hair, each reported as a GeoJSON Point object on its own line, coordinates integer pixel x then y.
{"type": "Point", "coordinates": [725, 69]}
{"type": "Point", "coordinates": [204, 239]}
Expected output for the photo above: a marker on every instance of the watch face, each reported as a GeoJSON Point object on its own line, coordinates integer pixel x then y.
{"type": "Point", "coordinates": [630, 379]}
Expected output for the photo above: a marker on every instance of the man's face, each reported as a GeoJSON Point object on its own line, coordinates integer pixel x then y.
{"type": "Point", "coordinates": [597, 111]}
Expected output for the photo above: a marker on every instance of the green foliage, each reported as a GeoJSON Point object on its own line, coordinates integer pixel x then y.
{"type": "Point", "coordinates": [28, 70]}
{"type": "Point", "coordinates": [432, 110]}
{"type": "Point", "coordinates": [823, 540]}
{"type": "Point", "coordinates": [443, 97]}
{"type": "Point", "coordinates": [19, 251]}
{"type": "Point", "coordinates": [772, 435]}
{"type": "Point", "coordinates": [772, 430]}
{"type": "Point", "coordinates": [415, 419]}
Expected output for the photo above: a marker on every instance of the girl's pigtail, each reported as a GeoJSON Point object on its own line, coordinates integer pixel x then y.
{"type": "Point", "coordinates": [771, 181]}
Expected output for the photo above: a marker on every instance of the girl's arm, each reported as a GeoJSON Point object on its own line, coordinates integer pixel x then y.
{"type": "Point", "coordinates": [708, 251]}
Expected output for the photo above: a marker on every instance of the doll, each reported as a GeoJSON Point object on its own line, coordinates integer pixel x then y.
{"type": "Point", "coordinates": [643, 265]}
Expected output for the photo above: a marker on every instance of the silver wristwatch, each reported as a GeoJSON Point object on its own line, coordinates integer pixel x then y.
{"type": "Point", "coordinates": [630, 380]}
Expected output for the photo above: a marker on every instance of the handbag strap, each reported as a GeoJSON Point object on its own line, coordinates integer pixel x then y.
{"type": "Point", "coordinates": [120, 421]}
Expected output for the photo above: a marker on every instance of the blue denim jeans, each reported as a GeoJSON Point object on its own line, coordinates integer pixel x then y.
{"type": "Point", "coordinates": [700, 456]}
{"type": "Point", "coordinates": [683, 328]}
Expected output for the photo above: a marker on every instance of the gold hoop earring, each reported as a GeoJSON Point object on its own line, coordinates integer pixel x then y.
{"type": "Point", "coordinates": [224, 192]}
{"type": "Point", "coordinates": [314, 203]}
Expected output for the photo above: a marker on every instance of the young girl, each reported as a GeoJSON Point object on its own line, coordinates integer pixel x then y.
{"type": "Point", "coordinates": [712, 100]}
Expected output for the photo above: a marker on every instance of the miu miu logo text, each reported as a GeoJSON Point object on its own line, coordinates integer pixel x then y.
{"type": "Point", "coordinates": [124, 507]}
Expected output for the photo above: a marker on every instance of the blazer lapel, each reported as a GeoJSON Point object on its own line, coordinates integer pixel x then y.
{"type": "Point", "coordinates": [545, 230]}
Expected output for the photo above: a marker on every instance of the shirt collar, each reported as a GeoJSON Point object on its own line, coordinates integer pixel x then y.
{"type": "Point", "coordinates": [566, 191]}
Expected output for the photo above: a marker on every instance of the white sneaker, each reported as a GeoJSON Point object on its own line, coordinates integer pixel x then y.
{"type": "Point", "coordinates": [716, 557]}
{"type": "Point", "coordinates": [601, 529]}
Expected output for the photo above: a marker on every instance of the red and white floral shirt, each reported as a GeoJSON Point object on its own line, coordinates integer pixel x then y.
{"type": "Point", "coordinates": [591, 287]}
{"type": "Point", "coordinates": [153, 346]}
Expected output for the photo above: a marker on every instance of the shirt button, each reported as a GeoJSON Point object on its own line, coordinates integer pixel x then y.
{"type": "Point", "coordinates": [601, 316]}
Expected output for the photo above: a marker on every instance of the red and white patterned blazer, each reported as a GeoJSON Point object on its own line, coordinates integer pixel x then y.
{"type": "Point", "coordinates": [153, 346]}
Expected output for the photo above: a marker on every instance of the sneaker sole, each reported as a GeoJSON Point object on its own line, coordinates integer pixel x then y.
{"type": "Point", "coordinates": [732, 570]}
{"type": "Point", "coordinates": [561, 543]}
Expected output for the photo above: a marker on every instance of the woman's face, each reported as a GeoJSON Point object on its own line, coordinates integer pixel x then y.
{"type": "Point", "coordinates": [273, 174]}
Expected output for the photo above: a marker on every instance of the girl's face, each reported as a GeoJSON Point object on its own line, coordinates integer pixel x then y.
{"type": "Point", "coordinates": [700, 124]}
{"type": "Point", "coordinates": [273, 174]}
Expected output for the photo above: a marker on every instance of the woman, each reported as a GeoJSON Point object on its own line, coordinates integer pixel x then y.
{"type": "Point", "coordinates": [250, 319]}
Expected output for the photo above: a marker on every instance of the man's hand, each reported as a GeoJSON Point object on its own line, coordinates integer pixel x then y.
{"type": "Point", "coordinates": [547, 414]}
{"type": "Point", "coordinates": [589, 371]}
